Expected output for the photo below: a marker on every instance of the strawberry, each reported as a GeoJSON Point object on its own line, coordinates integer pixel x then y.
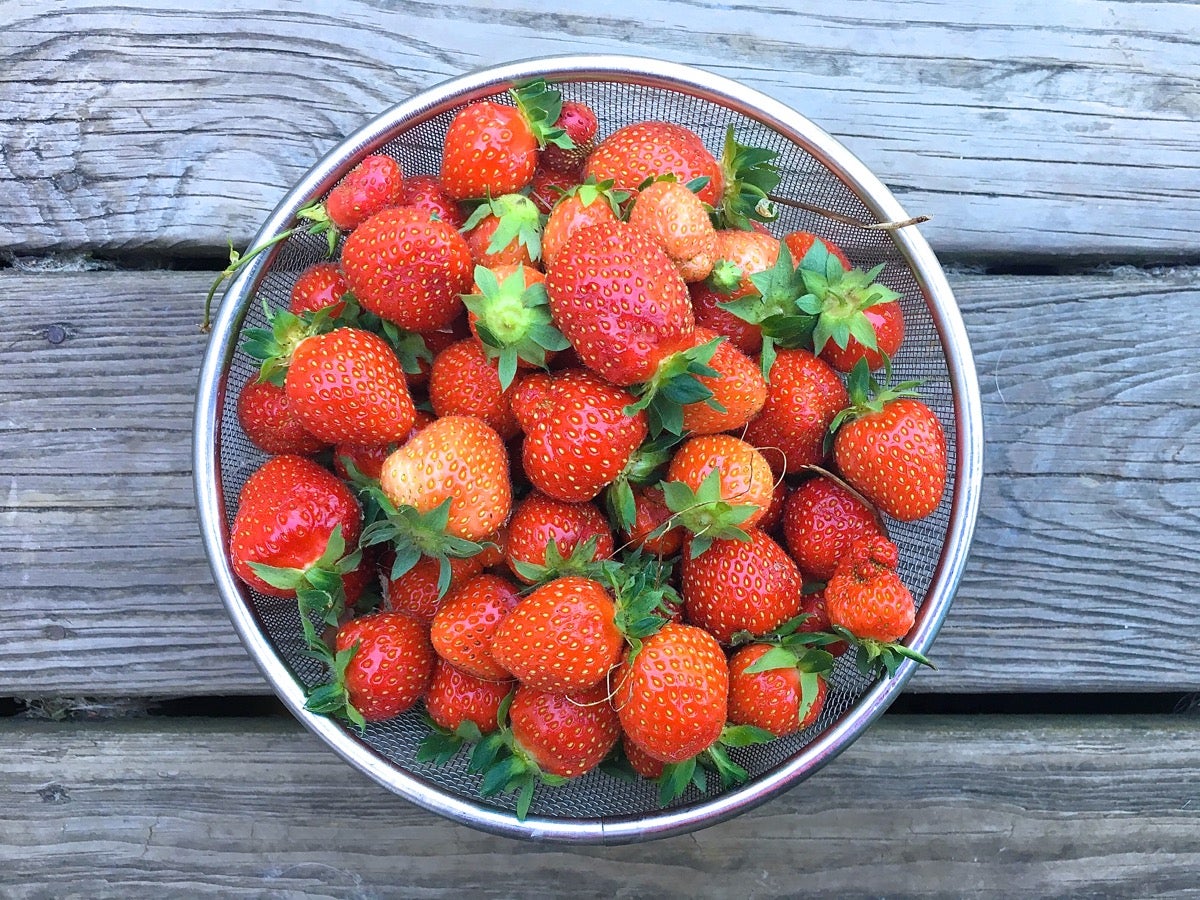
{"type": "Point", "coordinates": [619, 300]}
{"type": "Point", "coordinates": [738, 389]}
{"type": "Point", "coordinates": [293, 523]}
{"type": "Point", "coordinates": [772, 688]}
{"type": "Point", "coordinates": [672, 695]}
{"type": "Point", "coordinates": [640, 761]}
{"type": "Point", "coordinates": [388, 665]}
{"type": "Point", "coordinates": [320, 285]}
{"type": "Point", "coordinates": [548, 187]}
{"type": "Point", "coordinates": [455, 697]}
{"type": "Point", "coordinates": [715, 484]}
{"type": "Point", "coordinates": [548, 538]}
{"type": "Point", "coordinates": [492, 149]}
{"type": "Point", "coordinates": [886, 321]}
{"type": "Point", "coordinates": [740, 586]}
{"type": "Point", "coordinates": [566, 735]}
{"type": "Point", "coordinates": [505, 230]}
{"type": "Point", "coordinates": [407, 269]}
{"type": "Point", "coordinates": [562, 637]}
{"type": "Point", "coordinates": [368, 459]}
{"type": "Point", "coordinates": [650, 529]}
{"type": "Point", "coordinates": [459, 461]}
{"type": "Point", "coordinates": [676, 219]}
{"type": "Point", "coordinates": [578, 207]}
{"type": "Point", "coordinates": [648, 150]}
{"type": "Point", "coordinates": [463, 382]}
{"type": "Point", "coordinates": [424, 193]}
{"type": "Point", "coordinates": [373, 185]}
{"type": "Point", "coordinates": [510, 317]}
{"type": "Point", "coordinates": [774, 515]}
{"type": "Point", "coordinates": [803, 398]}
{"type": "Point", "coordinates": [822, 519]}
{"type": "Point", "coordinates": [265, 416]}
{"type": "Point", "coordinates": [870, 605]}
{"type": "Point", "coordinates": [578, 122]}
{"type": "Point", "coordinates": [740, 255]}
{"type": "Point", "coordinates": [466, 623]}
{"type": "Point", "coordinates": [578, 436]}
{"type": "Point", "coordinates": [891, 447]}
{"type": "Point", "coordinates": [418, 592]}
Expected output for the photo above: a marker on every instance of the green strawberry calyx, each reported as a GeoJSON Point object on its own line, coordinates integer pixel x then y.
{"type": "Point", "coordinates": [677, 777]}
{"type": "Point", "coordinates": [274, 345]}
{"type": "Point", "coordinates": [513, 321]}
{"type": "Point", "coordinates": [725, 277]}
{"type": "Point", "coordinates": [541, 105]}
{"type": "Point", "coordinates": [518, 219]}
{"type": "Point", "coordinates": [413, 534]}
{"type": "Point", "coordinates": [675, 384]}
{"type": "Point", "coordinates": [581, 561]}
{"type": "Point", "coordinates": [642, 594]}
{"type": "Point", "coordinates": [409, 346]}
{"type": "Point", "coordinates": [879, 657]}
{"type": "Point", "coordinates": [868, 395]}
{"type": "Point", "coordinates": [839, 298]}
{"type": "Point", "coordinates": [645, 466]}
{"type": "Point", "coordinates": [704, 512]}
{"type": "Point", "coordinates": [750, 176]}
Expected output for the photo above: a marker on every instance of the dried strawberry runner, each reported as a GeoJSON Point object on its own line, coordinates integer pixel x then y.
{"type": "Point", "coordinates": [564, 455]}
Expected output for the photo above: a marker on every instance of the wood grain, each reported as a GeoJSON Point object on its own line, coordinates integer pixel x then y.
{"type": "Point", "coordinates": [1047, 131]}
{"type": "Point", "coordinates": [1080, 577]}
{"type": "Point", "coordinates": [930, 807]}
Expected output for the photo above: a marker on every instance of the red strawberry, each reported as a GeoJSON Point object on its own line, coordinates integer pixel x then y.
{"type": "Point", "coordinates": [803, 397]}
{"type": "Point", "coordinates": [417, 592]}
{"type": "Point", "coordinates": [391, 668]}
{"type": "Point", "coordinates": [505, 230]}
{"type": "Point", "coordinates": [562, 637]}
{"type": "Point", "coordinates": [651, 512]}
{"type": "Point", "coordinates": [540, 522]}
{"type": "Point", "coordinates": [774, 514]}
{"type": "Point", "coordinates": [578, 437]}
{"type": "Point", "coordinates": [407, 269]}
{"type": "Point", "coordinates": [458, 459]}
{"type": "Point", "coordinates": [319, 286]}
{"type": "Point", "coordinates": [821, 521]}
{"type": "Point", "coordinates": [676, 218]}
{"type": "Point", "coordinates": [465, 624]}
{"type": "Point", "coordinates": [641, 761]}
{"type": "Point", "coordinates": [464, 382]}
{"type": "Point", "coordinates": [489, 150]}
{"type": "Point", "coordinates": [548, 187]}
{"type": "Point", "coordinates": [287, 514]}
{"type": "Point", "coordinates": [577, 208]}
{"type": "Point", "coordinates": [424, 192]}
{"type": "Point", "coordinates": [455, 697]}
{"type": "Point", "coordinates": [649, 149]}
{"type": "Point", "coordinates": [348, 385]}
{"type": "Point", "coordinates": [891, 448]}
{"type": "Point", "coordinates": [739, 494]}
{"type": "Point", "coordinates": [800, 242]}
{"type": "Point", "coordinates": [740, 254]}
{"type": "Point", "coordinates": [887, 322]}
{"type": "Point", "coordinates": [620, 301]}
{"type": "Point", "coordinates": [373, 185]}
{"type": "Point", "coordinates": [741, 586]}
{"type": "Point", "coordinates": [866, 596]}
{"type": "Point", "coordinates": [672, 696]}
{"type": "Point", "coordinates": [565, 735]}
{"type": "Point", "coordinates": [738, 389]}
{"type": "Point", "coordinates": [778, 694]}
{"type": "Point", "coordinates": [579, 123]}
{"type": "Point", "coordinates": [265, 416]}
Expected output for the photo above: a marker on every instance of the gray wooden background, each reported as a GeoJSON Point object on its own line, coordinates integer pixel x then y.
{"type": "Point", "coordinates": [1054, 145]}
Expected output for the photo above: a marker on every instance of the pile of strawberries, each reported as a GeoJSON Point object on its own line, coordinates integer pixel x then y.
{"type": "Point", "coordinates": [570, 448]}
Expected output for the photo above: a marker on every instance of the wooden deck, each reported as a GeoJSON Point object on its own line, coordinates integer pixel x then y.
{"type": "Point", "coordinates": [1055, 147]}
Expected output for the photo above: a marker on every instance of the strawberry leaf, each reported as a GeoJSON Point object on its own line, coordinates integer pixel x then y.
{"type": "Point", "coordinates": [513, 321]}
{"type": "Point", "coordinates": [750, 175]}
{"type": "Point", "coordinates": [541, 106]}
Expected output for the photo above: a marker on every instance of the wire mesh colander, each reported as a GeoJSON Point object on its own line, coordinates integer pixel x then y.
{"type": "Point", "coordinates": [815, 169]}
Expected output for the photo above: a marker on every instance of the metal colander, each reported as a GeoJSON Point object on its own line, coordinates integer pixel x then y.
{"type": "Point", "coordinates": [815, 169]}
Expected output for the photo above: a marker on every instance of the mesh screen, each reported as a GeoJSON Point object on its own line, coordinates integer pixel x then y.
{"type": "Point", "coordinates": [418, 148]}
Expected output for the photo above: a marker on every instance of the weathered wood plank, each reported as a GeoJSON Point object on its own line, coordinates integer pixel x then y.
{"type": "Point", "coordinates": [1065, 129]}
{"type": "Point", "coordinates": [931, 807]}
{"type": "Point", "coordinates": [1079, 579]}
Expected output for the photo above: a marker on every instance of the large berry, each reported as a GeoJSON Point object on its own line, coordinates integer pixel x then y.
{"type": "Point", "coordinates": [579, 207]}
{"type": "Point", "coordinates": [676, 218]}
{"type": "Point", "coordinates": [565, 734]}
{"type": "Point", "coordinates": [466, 623]}
{"type": "Point", "coordinates": [619, 299]}
{"type": "Point", "coordinates": [371, 186]}
{"type": "Point", "coordinates": [417, 592]}
{"type": "Point", "coordinates": [866, 596]}
{"type": "Point", "coordinates": [489, 150]}
{"type": "Point", "coordinates": [539, 522]}
{"type": "Point", "coordinates": [820, 522]}
{"type": "Point", "coordinates": [644, 150]}
{"type": "Point", "coordinates": [738, 389]}
{"type": "Point", "coordinates": [673, 695]}
{"type": "Point", "coordinates": [650, 513]}
{"type": "Point", "coordinates": [740, 254]}
{"type": "Point", "coordinates": [774, 699]}
{"type": "Point", "coordinates": [743, 477]}
{"type": "Point", "coordinates": [803, 397]}
{"type": "Point", "coordinates": [464, 382]}
{"type": "Point", "coordinates": [391, 668]}
{"type": "Point", "coordinates": [455, 697]}
{"type": "Point", "coordinates": [562, 637]}
{"type": "Point", "coordinates": [741, 586]}
{"type": "Point", "coordinates": [456, 458]}
{"type": "Point", "coordinates": [408, 269]}
{"type": "Point", "coordinates": [424, 193]}
{"type": "Point", "coordinates": [579, 122]}
{"type": "Point", "coordinates": [266, 417]}
{"type": "Point", "coordinates": [578, 437]}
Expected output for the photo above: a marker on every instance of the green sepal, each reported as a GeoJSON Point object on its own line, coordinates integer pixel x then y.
{"type": "Point", "coordinates": [676, 778]}
{"type": "Point", "coordinates": [274, 345]}
{"type": "Point", "coordinates": [645, 466]}
{"type": "Point", "coordinates": [750, 176]}
{"type": "Point", "coordinates": [413, 534]}
{"type": "Point", "coordinates": [744, 736]}
{"type": "Point", "coordinates": [676, 384]}
{"type": "Point", "coordinates": [581, 561]}
{"type": "Point", "coordinates": [441, 745]}
{"type": "Point", "coordinates": [332, 698]}
{"type": "Point", "coordinates": [878, 658]}
{"type": "Point", "coordinates": [518, 219]}
{"type": "Point", "coordinates": [725, 277]}
{"type": "Point", "coordinates": [541, 106]}
{"type": "Point", "coordinates": [617, 765]}
{"type": "Point", "coordinates": [513, 321]}
{"type": "Point", "coordinates": [704, 512]}
{"type": "Point", "coordinates": [642, 594]}
{"type": "Point", "coordinates": [868, 395]}
{"type": "Point", "coordinates": [839, 297]}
